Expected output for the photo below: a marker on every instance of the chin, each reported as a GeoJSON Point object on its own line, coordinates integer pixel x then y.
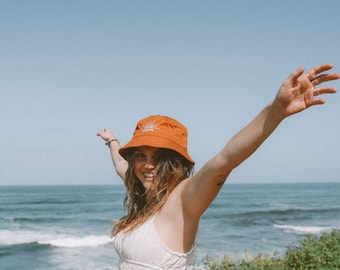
{"type": "Point", "coordinates": [148, 185]}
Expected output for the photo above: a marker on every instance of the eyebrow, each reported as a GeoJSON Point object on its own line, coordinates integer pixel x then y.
{"type": "Point", "coordinates": [154, 153]}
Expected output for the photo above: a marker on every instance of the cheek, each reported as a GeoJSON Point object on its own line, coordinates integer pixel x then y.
{"type": "Point", "coordinates": [136, 166]}
{"type": "Point", "coordinates": [137, 169]}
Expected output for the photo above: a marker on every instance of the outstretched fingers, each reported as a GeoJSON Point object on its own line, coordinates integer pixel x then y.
{"type": "Point", "coordinates": [324, 78]}
{"type": "Point", "coordinates": [324, 90]}
{"type": "Point", "coordinates": [315, 71]}
{"type": "Point", "coordinates": [315, 77]}
{"type": "Point", "coordinates": [319, 91]}
{"type": "Point", "coordinates": [296, 74]}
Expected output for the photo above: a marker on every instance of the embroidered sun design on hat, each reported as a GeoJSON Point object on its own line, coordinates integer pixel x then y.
{"type": "Point", "coordinates": [149, 126]}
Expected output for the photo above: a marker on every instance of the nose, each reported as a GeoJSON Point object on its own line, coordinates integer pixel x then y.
{"type": "Point", "coordinates": [149, 165]}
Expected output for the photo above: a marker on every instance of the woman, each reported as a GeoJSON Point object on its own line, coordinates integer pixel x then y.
{"type": "Point", "coordinates": [164, 200]}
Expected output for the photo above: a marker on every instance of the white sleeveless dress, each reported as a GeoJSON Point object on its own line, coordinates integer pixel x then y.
{"type": "Point", "coordinates": [141, 249]}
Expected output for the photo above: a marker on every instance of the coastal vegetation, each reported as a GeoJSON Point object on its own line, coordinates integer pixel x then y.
{"type": "Point", "coordinates": [312, 253]}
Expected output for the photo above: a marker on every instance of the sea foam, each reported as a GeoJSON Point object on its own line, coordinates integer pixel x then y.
{"type": "Point", "coordinates": [304, 229]}
{"type": "Point", "coordinates": [72, 242]}
{"type": "Point", "coordinates": [23, 237]}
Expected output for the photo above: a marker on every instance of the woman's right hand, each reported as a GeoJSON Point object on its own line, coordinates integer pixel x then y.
{"type": "Point", "coordinates": [106, 135]}
{"type": "Point", "coordinates": [119, 162]}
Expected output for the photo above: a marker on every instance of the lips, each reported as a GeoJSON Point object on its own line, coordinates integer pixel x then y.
{"type": "Point", "coordinates": [148, 175]}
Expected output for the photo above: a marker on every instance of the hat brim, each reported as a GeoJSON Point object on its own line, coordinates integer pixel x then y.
{"type": "Point", "coordinates": [154, 141]}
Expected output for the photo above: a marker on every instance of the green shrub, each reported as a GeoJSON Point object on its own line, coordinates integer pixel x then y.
{"type": "Point", "coordinates": [262, 262]}
{"type": "Point", "coordinates": [313, 253]}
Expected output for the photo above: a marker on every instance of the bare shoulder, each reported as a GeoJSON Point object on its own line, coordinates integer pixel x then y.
{"type": "Point", "coordinates": [174, 227]}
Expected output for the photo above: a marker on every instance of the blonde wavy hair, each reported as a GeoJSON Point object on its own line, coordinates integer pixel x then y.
{"type": "Point", "coordinates": [171, 168]}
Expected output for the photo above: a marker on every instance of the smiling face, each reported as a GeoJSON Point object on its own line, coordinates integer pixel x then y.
{"type": "Point", "coordinates": [144, 165]}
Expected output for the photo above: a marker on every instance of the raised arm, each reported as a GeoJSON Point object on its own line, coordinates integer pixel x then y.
{"type": "Point", "coordinates": [119, 163]}
{"type": "Point", "coordinates": [298, 92]}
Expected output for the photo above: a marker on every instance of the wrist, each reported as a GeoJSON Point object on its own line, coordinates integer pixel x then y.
{"type": "Point", "coordinates": [108, 143]}
{"type": "Point", "coordinates": [276, 111]}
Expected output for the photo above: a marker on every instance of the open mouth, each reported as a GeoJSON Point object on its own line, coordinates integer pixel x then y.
{"type": "Point", "coordinates": [148, 175]}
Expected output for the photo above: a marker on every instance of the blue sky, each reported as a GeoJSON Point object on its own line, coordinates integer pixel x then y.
{"type": "Point", "coordinates": [71, 68]}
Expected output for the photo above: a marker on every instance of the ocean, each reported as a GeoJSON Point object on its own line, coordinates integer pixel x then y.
{"type": "Point", "coordinates": [68, 227]}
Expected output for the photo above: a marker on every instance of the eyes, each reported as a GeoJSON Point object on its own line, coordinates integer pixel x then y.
{"type": "Point", "coordinates": [155, 155]}
{"type": "Point", "coordinates": [139, 156]}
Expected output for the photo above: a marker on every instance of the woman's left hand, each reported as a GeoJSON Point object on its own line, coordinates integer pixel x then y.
{"type": "Point", "coordinates": [301, 90]}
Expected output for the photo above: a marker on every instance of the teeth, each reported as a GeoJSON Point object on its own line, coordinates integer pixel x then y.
{"type": "Point", "coordinates": [148, 174]}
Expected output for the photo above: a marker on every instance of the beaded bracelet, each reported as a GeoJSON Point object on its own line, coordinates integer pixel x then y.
{"type": "Point", "coordinates": [110, 141]}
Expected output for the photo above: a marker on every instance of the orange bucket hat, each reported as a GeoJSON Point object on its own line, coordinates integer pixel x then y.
{"type": "Point", "coordinates": [161, 132]}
